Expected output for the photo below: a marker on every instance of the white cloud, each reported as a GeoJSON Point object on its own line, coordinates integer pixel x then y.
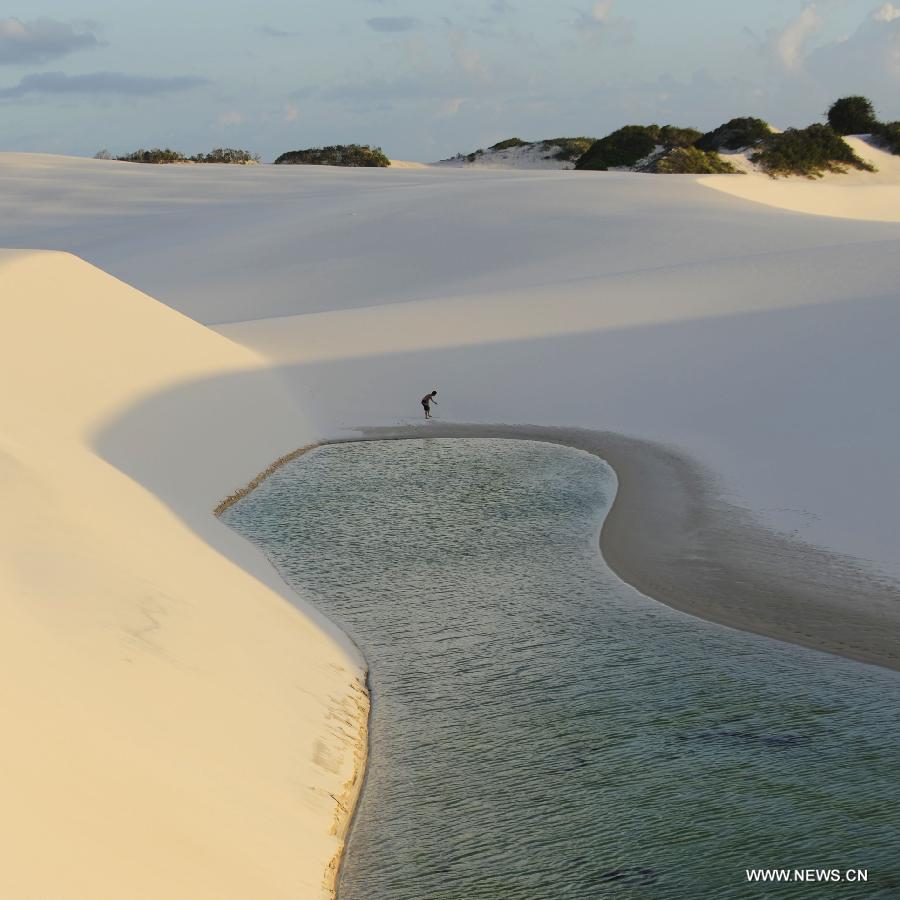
{"type": "Point", "coordinates": [40, 40]}
{"type": "Point", "coordinates": [271, 31]}
{"type": "Point", "coordinates": [100, 83]}
{"type": "Point", "coordinates": [450, 107]}
{"type": "Point", "coordinates": [231, 117]}
{"type": "Point", "coordinates": [291, 112]}
{"type": "Point", "coordinates": [469, 61]}
{"type": "Point", "coordinates": [886, 13]}
{"type": "Point", "coordinates": [598, 24]}
{"type": "Point", "coordinates": [787, 45]}
{"type": "Point", "coordinates": [392, 23]}
{"type": "Point", "coordinates": [602, 9]}
{"type": "Point", "coordinates": [867, 62]}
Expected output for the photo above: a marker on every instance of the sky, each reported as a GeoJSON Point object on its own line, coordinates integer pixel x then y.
{"type": "Point", "coordinates": [425, 79]}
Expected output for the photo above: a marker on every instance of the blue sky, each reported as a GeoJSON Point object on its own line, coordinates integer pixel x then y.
{"type": "Point", "coordinates": [425, 79]}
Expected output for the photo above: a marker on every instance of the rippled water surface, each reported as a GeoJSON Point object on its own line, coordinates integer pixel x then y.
{"type": "Point", "coordinates": [541, 730]}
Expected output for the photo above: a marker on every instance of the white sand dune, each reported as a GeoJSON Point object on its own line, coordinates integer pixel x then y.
{"type": "Point", "coordinates": [650, 302]}
{"type": "Point", "coordinates": [161, 737]}
{"type": "Point", "coordinates": [528, 156]}
{"type": "Point", "coordinates": [853, 195]}
{"type": "Point", "coordinates": [177, 723]}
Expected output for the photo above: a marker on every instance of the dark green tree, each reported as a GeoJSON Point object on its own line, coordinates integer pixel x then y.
{"type": "Point", "coordinates": [887, 135]}
{"type": "Point", "coordinates": [735, 134]}
{"type": "Point", "coordinates": [155, 156]}
{"type": "Point", "coordinates": [623, 147]}
{"type": "Point", "coordinates": [852, 115]}
{"type": "Point", "coordinates": [674, 136]}
{"type": "Point", "coordinates": [353, 155]}
{"type": "Point", "coordinates": [227, 155]}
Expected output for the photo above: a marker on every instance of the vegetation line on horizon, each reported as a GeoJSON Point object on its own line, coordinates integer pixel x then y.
{"type": "Point", "coordinates": [667, 149]}
{"type": "Point", "coordinates": [166, 156]}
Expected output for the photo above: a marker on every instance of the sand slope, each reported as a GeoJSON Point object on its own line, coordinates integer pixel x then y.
{"type": "Point", "coordinates": [175, 717]}
{"type": "Point", "coordinates": [754, 337]}
{"type": "Point", "coordinates": [173, 727]}
{"type": "Point", "coordinates": [854, 195]}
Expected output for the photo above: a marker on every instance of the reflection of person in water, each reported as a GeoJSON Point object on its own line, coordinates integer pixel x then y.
{"type": "Point", "coordinates": [427, 400]}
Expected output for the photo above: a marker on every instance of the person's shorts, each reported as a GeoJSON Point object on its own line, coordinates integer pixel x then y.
{"type": "Point", "coordinates": [426, 407]}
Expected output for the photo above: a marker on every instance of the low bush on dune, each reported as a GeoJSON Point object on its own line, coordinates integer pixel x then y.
{"type": "Point", "coordinates": [624, 147]}
{"type": "Point", "coordinates": [630, 145]}
{"type": "Point", "coordinates": [856, 115]}
{"type": "Point", "coordinates": [735, 134]}
{"type": "Point", "coordinates": [156, 156]}
{"type": "Point", "coordinates": [852, 115]}
{"type": "Point", "coordinates": [569, 149]}
{"type": "Point", "coordinates": [508, 144]}
{"type": "Point", "coordinates": [167, 156]}
{"type": "Point", "coordinates": [887, 136]}
{"type": "Point", "coordinates": [673, 136]}
{"type": "Point", "coordinates": [227, 155]}
{"type": "Point", "coordinates": [691, 161]}
{"type": "Point", "coordinates": [352, 155]}
{"type": "Point", "coordinates": [808, 151]}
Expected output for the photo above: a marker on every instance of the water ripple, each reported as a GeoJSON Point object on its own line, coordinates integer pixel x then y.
{"type": "Point", "coordinates": [540, 730]}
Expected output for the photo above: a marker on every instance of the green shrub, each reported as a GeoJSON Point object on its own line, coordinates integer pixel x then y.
{"type": "Point", "coordinates": [852, 115]}
{"type": "Point", "coordinates": [624, 147]}
{"type": "Point", "coordinates": [227, 155]}
{"type": "Point", "coordinates": [569, 149]}
{"type": "Point", "coordinates": [691, 161]}
{"type": "Point", "coordinates": [673, 136]}
{"type": "Point", "coordinates": [354, 155]}
{"type": "Point", "coordinates": [734, 135]}
{"type": "Point", "coordinates": [808, 151]}
{"type": "Point", "coordinates": [161, 157]}
{"type": "Point", "coordinates": [508, 144]}
{"type": "Point", "coordinates": [887, 136]}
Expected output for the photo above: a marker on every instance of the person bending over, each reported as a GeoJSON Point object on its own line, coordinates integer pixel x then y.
{"type": "Point", "coordinates": [427, 400]}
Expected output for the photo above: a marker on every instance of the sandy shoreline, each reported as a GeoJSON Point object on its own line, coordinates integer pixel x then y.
{"type": "Point", "coordinates": [355, 715]}
{"type": "Point", "coordinates": [671, 535]}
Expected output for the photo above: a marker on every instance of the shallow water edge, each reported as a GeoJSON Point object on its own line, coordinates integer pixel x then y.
{"type": "Point", "coordinates": [672, 536]}
{"type": "Point", "coordinates": [357, 708]}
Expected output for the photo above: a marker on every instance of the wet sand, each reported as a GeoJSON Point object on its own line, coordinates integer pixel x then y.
{"type": "Point", "coordinates": [672, 536]}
